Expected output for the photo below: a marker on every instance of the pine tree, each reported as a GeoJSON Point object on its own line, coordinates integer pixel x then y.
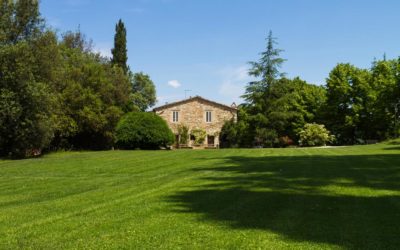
{"type": "Point", "coordinates": [120, 51]}
{"type": "Point", "coordinates": [267, 68]}
{"type": "Point", "coordinates": [258, 97]}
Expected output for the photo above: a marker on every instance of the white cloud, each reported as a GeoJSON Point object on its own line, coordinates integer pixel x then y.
{"type": "Point", "coordinates": [174, 83]}
{"type": "Point", "coordinates": [234, 80]}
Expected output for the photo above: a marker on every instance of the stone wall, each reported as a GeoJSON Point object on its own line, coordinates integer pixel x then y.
{"type": "Point", "coordinates": [193, 115]}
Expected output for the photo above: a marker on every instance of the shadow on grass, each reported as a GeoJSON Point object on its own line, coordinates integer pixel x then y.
{"type": "Point", "coordinates": [392, 148]}
{"type": "Point", "coordinates": [394, 142]}
{"type": "Point", "coordinates": [348, 201]}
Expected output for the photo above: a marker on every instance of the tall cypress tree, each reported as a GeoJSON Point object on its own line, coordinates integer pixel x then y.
{"type": "Point", "coordinates": [119, 52]}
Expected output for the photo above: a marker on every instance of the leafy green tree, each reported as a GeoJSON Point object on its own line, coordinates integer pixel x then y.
{"type": "Point", "coordinates": [119, 52]}
{"type": "Point", "coordinates": [238, 133]}
{"type": "Point", "coordinates": [77, 40]}
{"type": "Point", "coordinates": [143, 92]}
{"type": "Point", "coordinates": [26, 106]}
{"type": "Point", "coordinates": [291, 104]}
{"type": "Point", "coordinates": [6, 20]}
{"type": "Point", "coordinates": [349, 95]}
{"type": "Point", "coordinates": [20, 20]}
{"type": "Point", "coordinates": [386, 81]}
{"type": "Point", "coordinates": [94, 95]}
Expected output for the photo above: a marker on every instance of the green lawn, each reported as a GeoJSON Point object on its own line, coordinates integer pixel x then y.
{"type": "Point", "coordinates": [336, 198]}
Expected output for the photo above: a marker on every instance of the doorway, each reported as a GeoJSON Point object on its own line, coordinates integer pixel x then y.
{"type": "Point", "coordinates": [211, 140]}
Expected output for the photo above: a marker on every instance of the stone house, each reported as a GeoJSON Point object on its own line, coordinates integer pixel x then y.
{"type": "Point", "coordinates": [198, 115]}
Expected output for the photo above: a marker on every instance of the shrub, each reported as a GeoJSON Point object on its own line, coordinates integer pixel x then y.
{"type": "Point", "coordinates": [229, 136]}
{"type": "Point", "coordinates": [199, 136]}
{"type": "Point", "coordinates": [144, 131]}
{"type": "Point", "coordinates": [183, 132]}
{"type": "Point", "coordinates": [285, 141]}
{"type": "Point", "coordinates": [314, 135]}
{"type": "Point", "coordinates": [266, 138]}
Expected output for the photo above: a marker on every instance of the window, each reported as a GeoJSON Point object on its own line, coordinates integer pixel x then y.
{"type": "Point", "coordinates": [175, 116]}
{"type": "Point", "coordinates": [208, 116]}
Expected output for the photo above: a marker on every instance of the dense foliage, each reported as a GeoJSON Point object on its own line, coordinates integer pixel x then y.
{"type": "Point", "coordinates": [314, 135]}
{"type": "Point", "coordinates": [143, 130]}
{"type": "Point", "coordinates": [276, 107]}
{"type": "Point", "coordinates": [356, 105]}
{"type": "Point", "coordinates": [144, 91]}
{"type": "Point", "coordinates": [199, 135]}
{"type": "Point", "coordinates": [183, 132]}
{"type": "Point", "coordinates": [57, 93]}
{"type": "Point", "coordinates": [120, 52]}
{"type": "Point", "coordinates": [26, 104]}
{"type": "Point", "coordinates": [361, 103]}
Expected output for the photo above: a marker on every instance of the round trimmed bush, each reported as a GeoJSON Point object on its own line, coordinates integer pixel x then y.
{"type": "Point", "coordinates": [143, 130]}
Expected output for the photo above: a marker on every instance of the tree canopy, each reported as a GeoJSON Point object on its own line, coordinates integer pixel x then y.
{"type": "Point", "coordinates": [57, 93]}
{"type": "Point", "coordinates": [356, 105]}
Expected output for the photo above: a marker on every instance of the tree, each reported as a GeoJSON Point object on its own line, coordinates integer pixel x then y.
{"type": "Point", "coordinates": [386, 82]}
{"type": "Point", "coordinates": [291, 104]}
{"type": "Point", "coordinates": [119, 52]}
{"type": "Point", "coordinates": [6, 20]}
{"type": "Point", "coordinates": [143, 91]}
{"type": "Point", "coordinates": [267, 68]}
{"type": "Point", "coordinates": [94, 95]}
{"type": "Point", "coordinates": [257, 94]}
{"type": "Point", "coordinates": [237, 133]}
{"type": "Point", "coordinates": [26, 105]}
{"type": "Point", "coordinates": [20, 20]}
{"type": "Point", "coordinates": [77, 40]}
{"type": "Point", "coordinates": [349, 97]}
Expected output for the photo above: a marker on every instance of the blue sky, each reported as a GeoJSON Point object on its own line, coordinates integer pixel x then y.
{"type": "Point", "coordinates": [204, 45]}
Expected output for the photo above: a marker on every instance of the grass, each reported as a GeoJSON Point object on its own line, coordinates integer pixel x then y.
{"type": "Point", "coordinates": [336, 198]}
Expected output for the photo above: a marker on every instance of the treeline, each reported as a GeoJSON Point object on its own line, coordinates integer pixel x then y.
{"type": "Point", "coordinates": [55, 91]}
{"type": "Point", "coordinates": [355, 106]}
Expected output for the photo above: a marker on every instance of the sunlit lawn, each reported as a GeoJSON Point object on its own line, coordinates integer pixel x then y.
{"type": "Point", "coordinates": [344, 198]}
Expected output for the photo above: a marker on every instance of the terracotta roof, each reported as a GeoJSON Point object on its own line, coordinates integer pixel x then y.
{"type": "Point", "coordinates": [193, 99]}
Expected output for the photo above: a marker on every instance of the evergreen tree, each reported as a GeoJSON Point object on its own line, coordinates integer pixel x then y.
{"type": "Point", "coordinates": [267, 68]}
{"type": "Point", "coordinates": [119, 52]}
{"type": "Point", "coordinates": [257, 94]}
